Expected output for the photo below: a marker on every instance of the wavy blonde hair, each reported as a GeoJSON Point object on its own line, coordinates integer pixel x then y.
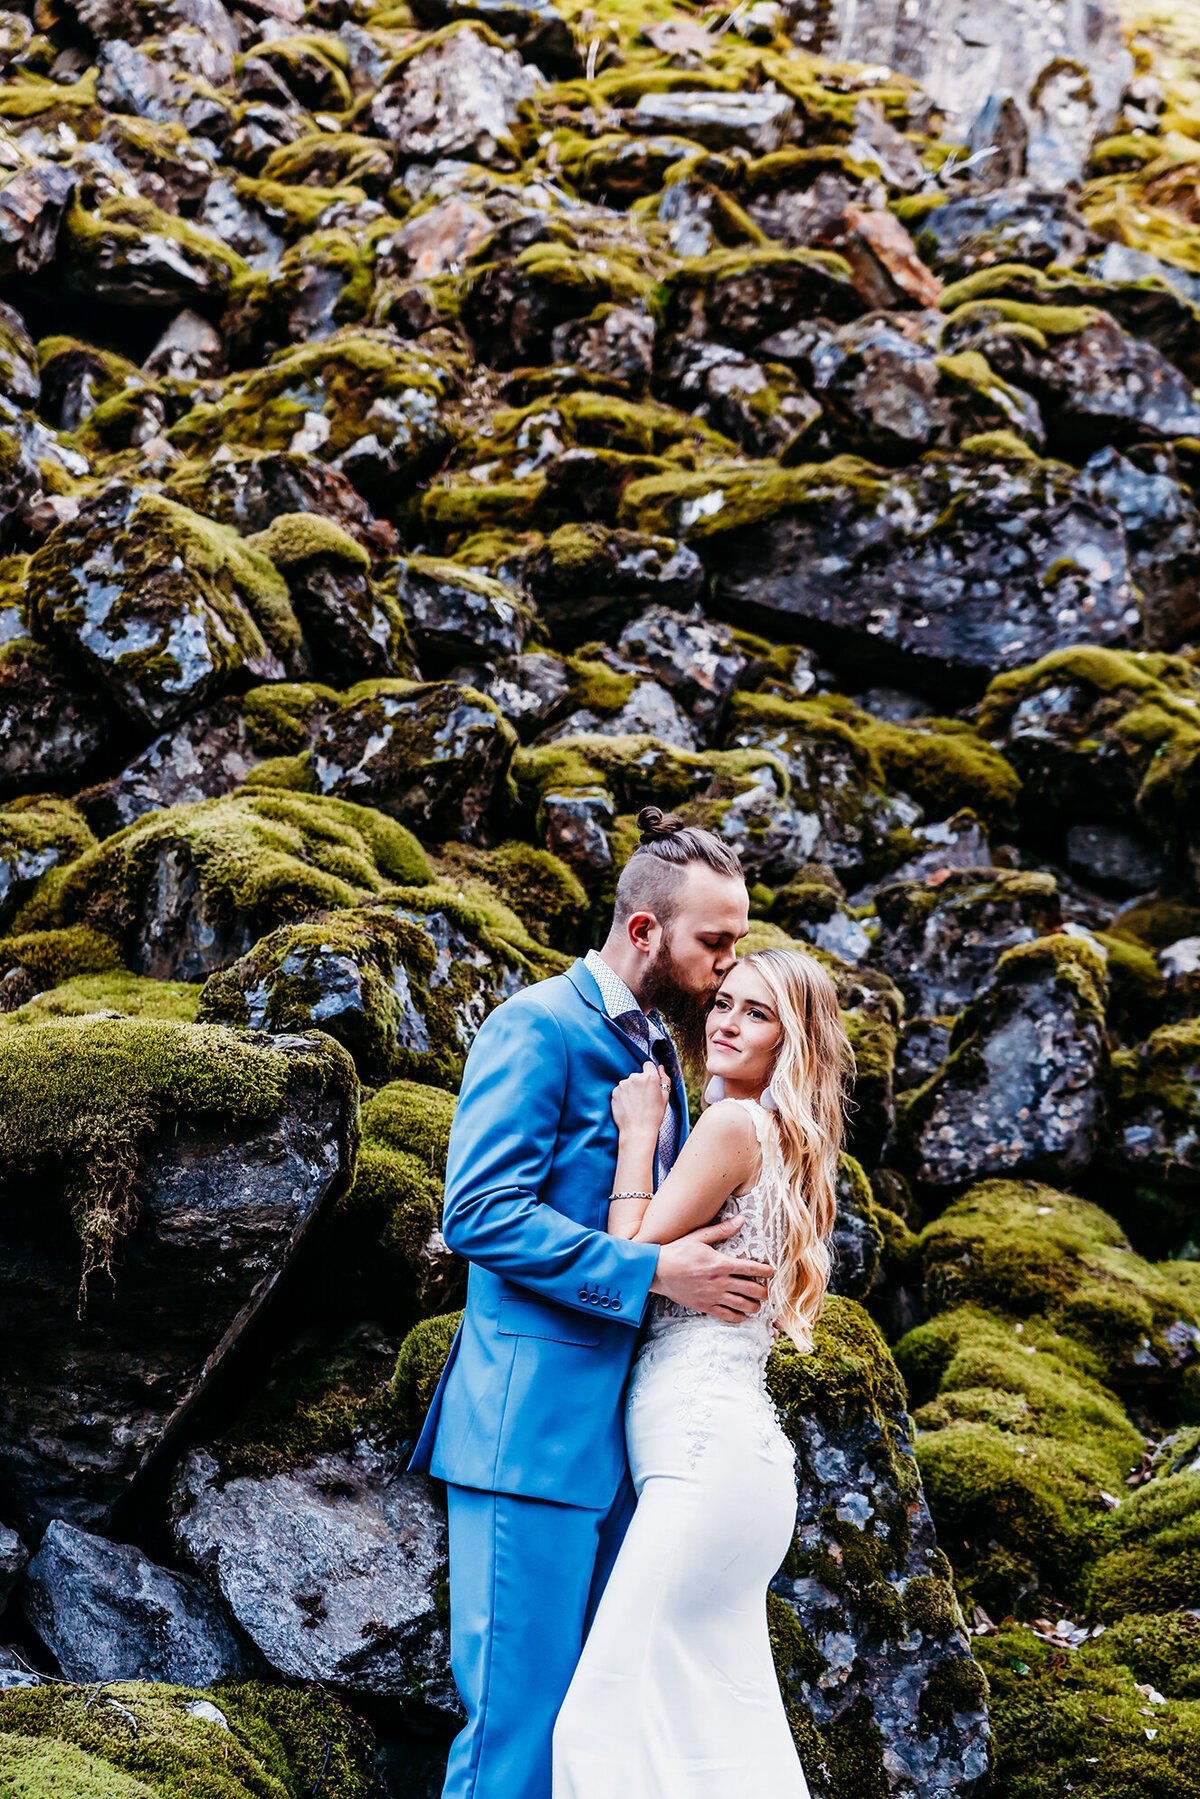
{"type": "Point", "coordinates": [813, 1067]}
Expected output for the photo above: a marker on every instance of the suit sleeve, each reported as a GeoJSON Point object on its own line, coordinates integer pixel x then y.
{"type": "Point", "coordinates": [501, 1149]}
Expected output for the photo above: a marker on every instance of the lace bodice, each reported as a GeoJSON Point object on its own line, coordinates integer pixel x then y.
{"type": "Point", "coordinates": [759, 1239]}
{"type": "Point", "coordinates": [699, 1350]}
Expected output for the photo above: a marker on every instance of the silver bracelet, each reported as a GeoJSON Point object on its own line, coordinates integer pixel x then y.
{"type": "Point", "coordinates": [631, 1196]}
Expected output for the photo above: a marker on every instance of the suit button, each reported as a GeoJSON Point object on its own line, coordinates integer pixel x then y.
{"type": "Point", "coordinates": [583, 1292]}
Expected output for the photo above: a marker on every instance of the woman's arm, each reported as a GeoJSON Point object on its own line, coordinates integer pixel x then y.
{"type": "Point", "coordinates": [718, 1157]}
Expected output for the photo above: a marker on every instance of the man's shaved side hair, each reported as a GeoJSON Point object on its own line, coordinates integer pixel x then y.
{"type": "Point", "coordinates": [652, 879]}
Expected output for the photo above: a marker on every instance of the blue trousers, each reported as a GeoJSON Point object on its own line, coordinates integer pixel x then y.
{"type": "Point", "coordinates": [525, 1578]}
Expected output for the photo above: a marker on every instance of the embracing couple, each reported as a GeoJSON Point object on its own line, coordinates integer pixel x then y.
{"type": "Point", "coordinates": [619, 1490]}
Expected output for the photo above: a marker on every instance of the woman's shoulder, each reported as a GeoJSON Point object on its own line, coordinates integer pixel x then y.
{"type": "Point", "coordinates": [729, 1122]}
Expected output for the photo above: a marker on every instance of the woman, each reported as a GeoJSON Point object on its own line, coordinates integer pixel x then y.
{"type": "Point", "coordinates": [675, 1695]}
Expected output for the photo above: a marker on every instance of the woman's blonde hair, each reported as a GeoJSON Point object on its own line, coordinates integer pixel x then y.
{"type": "Point", "coordinates": [813, 1067]}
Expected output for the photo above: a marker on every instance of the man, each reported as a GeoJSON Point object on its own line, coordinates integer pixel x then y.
{"type": "Point", "coordinates": [527, 1424]}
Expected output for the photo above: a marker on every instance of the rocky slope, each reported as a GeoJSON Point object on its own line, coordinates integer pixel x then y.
{"type": "Point", "coordinates": [428, 433]}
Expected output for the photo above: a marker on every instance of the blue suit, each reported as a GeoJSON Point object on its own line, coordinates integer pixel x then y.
{"type": "Point", "coordinates": [527, 1423]}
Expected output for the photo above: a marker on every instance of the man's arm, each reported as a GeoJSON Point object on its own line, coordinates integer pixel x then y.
{"type": "Point", "coordinates": [501, 1149]}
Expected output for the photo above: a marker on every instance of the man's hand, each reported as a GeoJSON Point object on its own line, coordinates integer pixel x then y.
{"type": "Point", "coordinates": [699, 1277]}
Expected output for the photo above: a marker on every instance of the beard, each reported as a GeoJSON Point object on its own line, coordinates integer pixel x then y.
{"type": "Point", "coordinates": [665, 988]}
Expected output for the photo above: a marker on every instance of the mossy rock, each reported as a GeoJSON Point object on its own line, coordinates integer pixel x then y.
{"type": "Point", "coordinates": [1155, 1130]}
{"type": "Point", "coordinates": [403, 983]}
{"type": "Point", "coordinates": [365, 384]}
{"type": "Point", "coordinates": [547, 896]}
{"type": "Point", "coordinates": [637, 769]}
{"type": "Point", "coordinates": [53, 957]}
{"type": "Point", "coordinates": [37, 833]}
{"type": "Point", "coordinates": [1018, 1442]}
{"type": "Point", "coordinates": [1029, 1251]}
{"type": "Point", "coordinates": [135, 1073]}
{"type": "Point", "coordinates": [743, 295]}
{"type": "Point", "coordinates": [113, 992]}
{"type": "Point", "coordinates": [275, 1742]}
{"type": "Point", "coordinates": [1080, 1721]}
{"type": "Point", "coordinates": [185, 890]}
{"type": "Point", "coordinates": [419, 1367]}
{"type": "Point", "coordinates": [1101, 734]}
{"type": "Point", "coordinates": [130, 252]}
{"type": "Point", "coordinates": [198, 605]}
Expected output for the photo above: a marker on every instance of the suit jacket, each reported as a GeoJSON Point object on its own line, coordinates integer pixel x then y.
{"type": "Point", "coordinates": [530, 1400]}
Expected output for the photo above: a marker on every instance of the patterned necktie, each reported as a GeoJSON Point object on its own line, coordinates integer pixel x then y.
{"type": "Point", "coordinates": [651, 1036]}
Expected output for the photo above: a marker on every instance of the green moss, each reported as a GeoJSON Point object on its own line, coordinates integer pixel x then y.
{"type": "Point", "coordinates": [280, 717]}
{"type": "Point", "coordinates": [943, 764]}
{"type": "Point", "coordinates": [280, 1742]}
{"type": "Point", "coordinates": [293, 538]}
{"type": "Point", "coordinates": [997, 446]}
{"type": "Point", "coordinates": [1155, 1562]}
{"type": "Point", "coordinates": [1157, 922]}
{"type": "Point", "coordinates": [258, 855]}
{"type": "Point", "coordinates": [45, 1769]}
{"type": "Point", "coordinates": [419, 1368]}
{"type": "Point", "coordinates": [119, 227]}
{"type": "Point", "coordinates": [1077, 1722]}
{"type": "Point", "coordinates": [850, 1374]}
{"type": "Point", "coordinates": [1027, 1250]}
{"type": "Point", "coordinates": [40, 827]}
{"type": "Point", "coordinates": [325, 1391]}
{"type": "Point", "coordinates": [546, 895]}
{"type": "Point", "coordinates": [1136, 988]}
{"type": "Point", "coordinates": [637, 768]}
{"type": "Point", "coordinates": [130, 995]}
{"type": "Point", "coordinates": [53, 957]}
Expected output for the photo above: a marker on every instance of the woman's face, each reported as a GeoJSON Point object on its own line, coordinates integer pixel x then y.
{"type": "Point", "coordinates": [743, 1029]}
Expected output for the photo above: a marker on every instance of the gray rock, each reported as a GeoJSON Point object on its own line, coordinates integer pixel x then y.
{"type": "Point", "coordinates": [20, 378]}
{"type": "Point", "coordinates": [614, 341]}
{"type": "Point", "coordinates": [332, 1569]}
{"type": "Point", "coordinates": [1022, 1091]}
{"type": "Point", "coordinates": [189, 349]}
{"type": "Point", "coordinates": [758, 123]}
{"type": "Point", "coordinates": [433, 756]}
{"type": "Point", "coordinates": [534, 27]}
{"type": "Point", "coordinates": [1162, 532]}
{"type": "Point", "coordinates": [695, 657]}
{"type": "Point", "coordinates": [456, 98]}
{"type": "Point", "coordinates": [649, 708]}
{"type": "Point", "coordinates": [945, 574]}
{"type": "Point", "coordinates": [1017, 222]}
{"type": "Point", "coordinates": [454, 612]}
{"type": "Point", "coordinates": [106, 1612]}
{"type": "Point", "coordinates": [51, 726]}
{"type": "Point", "coordinates": [32, 204]}
{"type": "Point", "coordinates": [576, 823]}
{"type": "Point", "coordinates": [404, 989]}
{"type": "Point", "coordinates": [1112, 859]}
{"type": "Point", "coordinates": [85, 1402]}
{"type": "Point", "coordinates": [940, 939]}
{"type": "Point", "coordinates": [527, 689]}
{"type": "Point", "coordinates": [1121, 262]}
{"type": "Point", "coordinates": [1063, 69]}
{"type": "Point", "coordinates": [14, 1558]}
{"type": "Point", "coordinates": [626, 572]}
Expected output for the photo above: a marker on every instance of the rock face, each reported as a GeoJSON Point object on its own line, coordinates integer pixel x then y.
{"type": "Point", "coordinates": [1022, 1088]}
{"type": "Point", "coordinates": [905, 1673]}
{"type": "Point", "coordinates": [107, 1613]}
{"type": "Point", "coordinates": [332, 1570]}
{"type": "Point", "coordinates": [86, 1400]}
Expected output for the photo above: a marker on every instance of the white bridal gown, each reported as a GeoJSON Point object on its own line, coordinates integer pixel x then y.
{"type": "Point", "coordinates": [675, 1695]}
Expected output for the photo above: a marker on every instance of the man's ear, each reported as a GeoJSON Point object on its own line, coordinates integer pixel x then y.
{"type": "Point", "coordinates": [640, 927]}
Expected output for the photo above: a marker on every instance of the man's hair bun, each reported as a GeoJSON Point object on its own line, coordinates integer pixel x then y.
{"type": "Point", "coordinates": [655, 824]}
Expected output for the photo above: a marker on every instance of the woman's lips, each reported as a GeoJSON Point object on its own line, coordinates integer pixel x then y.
{"type": "Point", "coordinates": [731, 1047]}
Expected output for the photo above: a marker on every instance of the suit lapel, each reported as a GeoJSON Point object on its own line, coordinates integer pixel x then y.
{"type": "Point", "coordinates": [584, 982]}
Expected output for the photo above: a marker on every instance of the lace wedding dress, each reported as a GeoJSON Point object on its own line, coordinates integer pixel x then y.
{"type": "Point", "coordinates": [675, 1695]}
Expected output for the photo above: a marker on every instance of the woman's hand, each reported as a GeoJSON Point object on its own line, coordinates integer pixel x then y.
{"type": "Point", "coordinates": [640, 1101]}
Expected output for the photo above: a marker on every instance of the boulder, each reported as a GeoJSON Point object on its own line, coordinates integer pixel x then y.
{"type": "Point", "coordinates": [586, 578]}
{"type": "Point", "coordinates": [404, 986]}
{"type": "Point", "coordinates": [838, 811]}
{"type": "Point", "coordinates": [1016, 222]}
{"type": "Point", "coordinates": [162, 608]}
{"type": "Point", "coordinates": [758, 123]}
{"type": "Point", "coordinates": [37, 833]}
{"type": "Point", "coordinates": [1153, 1145]}
{"type": "Point", "coordinates": [1021, 1091]}
{"type": "Point", "coordinates": [529, 689]}
{"type": "Point", "coordinates": [940, 937]}
{"type": "Point", "coordinates": [455, 97]}
{"type": "Point", "coordinates": [1162, 532]}
{"type": "Point", "coordinates": [51, 726]}
{"type": "Point", "coordinates": [352, 628]}
{"type": "Point", "coordinates": [32, 203]}
{"type": "Point", "coordinates": [333, 1568]}
{"type": "Point", "coordinates": [207, 755]}
{"type": "Point", "coordinates": [249, 491]}
{"type": "Point", "coordinates": [131, 254]}
{"type": "Point", "coordinates": [869, 1642]}
{"type": "Point", "coordinates": [435, 755]}
{"type": "Point", "coordinates": [741, 296]}
{"type": "Point", "coordinates": [179, 1196]}
{"type": "Point", "coordinates": [695, 657]}
{"type": "Point", "coordinates": [922, 575]}
{"type": "Point", "coordinates": [454, 612]}
{"type": "Point", "coordinates": [191, 888]}
{"type": "Point", "coordinates": [14, 1558]}
{"type": "Point", "coordinates": [577, 823]}
{"type": "Point", "coordinates": [106, 1612]}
